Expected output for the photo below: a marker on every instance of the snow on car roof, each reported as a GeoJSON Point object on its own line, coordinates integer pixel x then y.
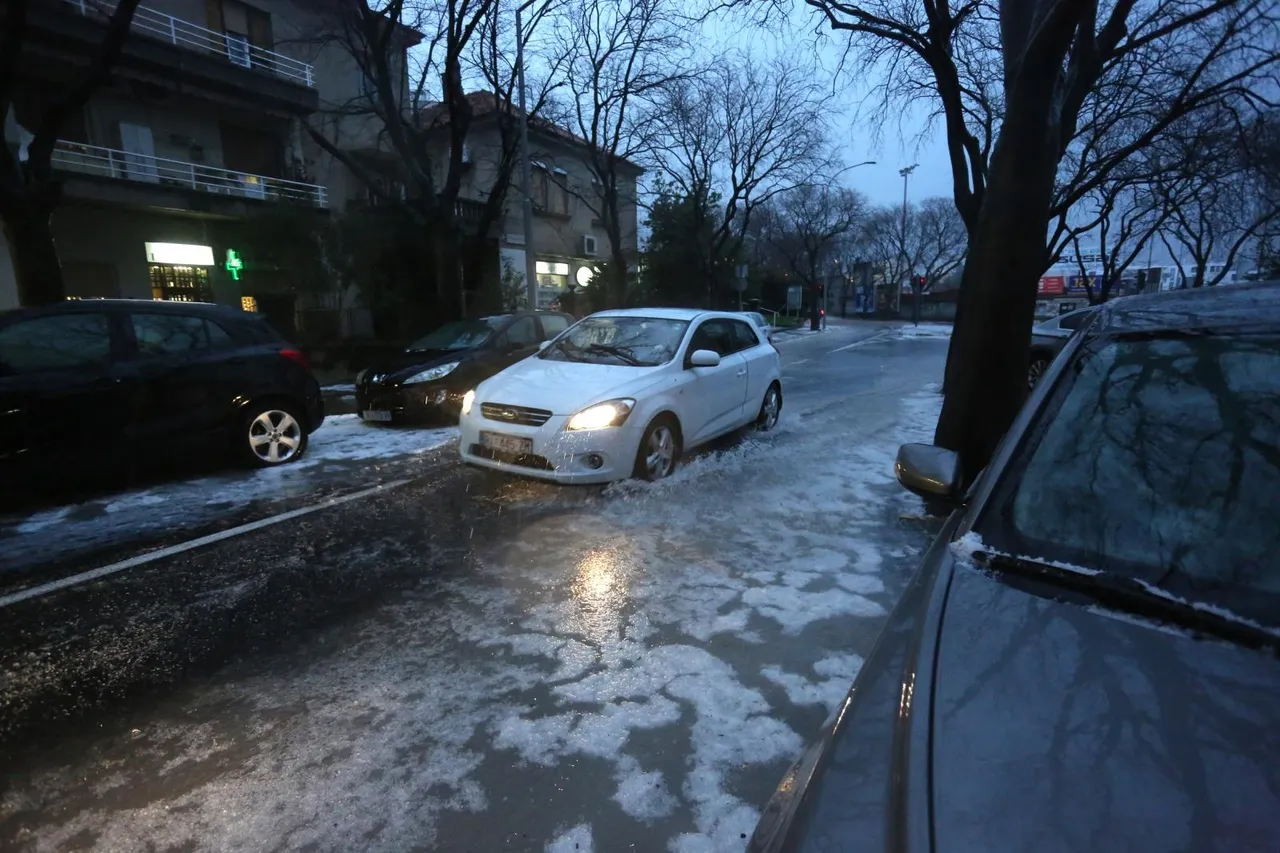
{"type": "Point", "coordinates": [661, 313]}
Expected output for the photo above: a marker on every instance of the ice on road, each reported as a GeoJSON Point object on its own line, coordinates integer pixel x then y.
{"type": "Point", "coordinates": [342, 442]}
{"type": "Point", "coordinates": [634, 669]}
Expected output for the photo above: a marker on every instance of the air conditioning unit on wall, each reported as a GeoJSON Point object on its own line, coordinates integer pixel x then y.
{"type": "Point", "coordinates": [589, 246]}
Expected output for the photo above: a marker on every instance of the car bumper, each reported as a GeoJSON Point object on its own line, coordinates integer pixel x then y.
{"type": "Point", "coordinates": [425, 402]}
{"type": "Point", "coordinates": [556, 454]}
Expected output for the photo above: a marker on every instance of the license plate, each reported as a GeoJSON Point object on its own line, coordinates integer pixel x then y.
{"type": "Point", "coordinates": [506, 443]}
{"type": "Point", "coordinates": [375, 415]}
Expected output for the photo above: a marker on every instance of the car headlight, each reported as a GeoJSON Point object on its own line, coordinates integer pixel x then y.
{"type": "Point", "coordinates": [468, 400]}
{"type": "Point", "coordinates": [611, 414]}
{"type": "Point", "coordinates": [432, 373]}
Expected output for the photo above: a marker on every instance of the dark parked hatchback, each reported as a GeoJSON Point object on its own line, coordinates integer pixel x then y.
{"type": "Point", "coordinates": [94, 386]}
{"type": "Point", "coordinates": [1088, 658]}
{"type": "Point", "coordinates": [429, 379]}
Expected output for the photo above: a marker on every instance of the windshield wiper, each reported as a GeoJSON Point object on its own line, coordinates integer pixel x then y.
{"type": "Point", "coordinates": [616, 352]}
{"type": "Point", "coordinates": [1135, 597]}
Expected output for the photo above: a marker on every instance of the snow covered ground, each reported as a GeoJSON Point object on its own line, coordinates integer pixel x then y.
{"type": "Point", "coordinates": [924, 330]}
{"type": "Point", "coordinates": [343, 444]}
{"type": "Point", "coordinates": [630, 670]}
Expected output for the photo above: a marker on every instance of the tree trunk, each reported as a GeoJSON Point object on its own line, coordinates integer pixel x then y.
{"type": "Point", "coordinates": [28, 227]}
{"type": "Point", "coordinates": [986, 380]}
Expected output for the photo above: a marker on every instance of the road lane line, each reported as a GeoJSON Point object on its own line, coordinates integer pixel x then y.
{"type": "Point", "coordinates": [152, 556]}
{"type": "Point", "coordinates": [876, 337]}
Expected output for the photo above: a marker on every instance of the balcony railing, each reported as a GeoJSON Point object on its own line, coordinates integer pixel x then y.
{"type": "Point", "coordinates": [233, 48]}
{"type": "Point", "coordinates": [142, 168]}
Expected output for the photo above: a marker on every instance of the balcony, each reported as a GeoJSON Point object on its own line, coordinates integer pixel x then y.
{"type": "Point", "coordinates": [175, 31]}
{"type": "Point", "coordinates": [158, 171]}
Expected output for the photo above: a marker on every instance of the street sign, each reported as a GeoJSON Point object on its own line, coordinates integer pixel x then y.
{"type": "Point", "coordinates": [795, 295]}
{"type": "Point", "coordinates": [740, 284]}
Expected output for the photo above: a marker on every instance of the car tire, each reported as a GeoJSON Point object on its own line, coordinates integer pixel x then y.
{"type": "Point", "coordinates": [1039, 364]}
{"type": "Point", "coordinates": [770, 408]}
{"type": "Point", "coordinates": [659, 450]}
{"type": "Point", "coordinates": [271, 433]}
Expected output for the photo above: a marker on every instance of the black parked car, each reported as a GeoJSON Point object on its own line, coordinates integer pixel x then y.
{"type": "Point", "coordinates": [1089, 657]}
{"type": "Point", "coordinates": [427, 381]}
{"type": "Point", "coordinates": [92, 386]}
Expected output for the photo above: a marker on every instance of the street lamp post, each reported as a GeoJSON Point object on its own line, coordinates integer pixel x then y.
{"type": "Point", "coordinates": [905, 172]}
{"type": "Point", "coordinates": [526, 170]}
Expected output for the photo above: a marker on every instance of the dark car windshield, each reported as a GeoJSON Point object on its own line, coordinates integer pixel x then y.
{"type": "Point", "coordinates": [458, 335]}
{"type": "Point", "coordinates": [636, 341]}
{"type": "Point", "coordinates": [1161, 462]}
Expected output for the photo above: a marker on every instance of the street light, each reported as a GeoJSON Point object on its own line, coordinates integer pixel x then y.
{"type": "Point", "coordinates": [526, 171]}
{"type": "Point", "coordinates": [905, 172]}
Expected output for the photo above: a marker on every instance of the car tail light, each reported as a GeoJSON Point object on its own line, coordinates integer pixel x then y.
{"type": "Point", "coordinates": [296, 355]}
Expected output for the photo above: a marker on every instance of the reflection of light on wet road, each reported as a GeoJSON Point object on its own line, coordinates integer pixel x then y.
{"type": "Point", "coordinates": [598, 592]}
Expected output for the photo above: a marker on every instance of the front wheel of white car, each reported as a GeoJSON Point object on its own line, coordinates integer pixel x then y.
{"type": "Point", "coordinates": [659, 449]}
{"type": "Point", "coordinates": [770, 409]}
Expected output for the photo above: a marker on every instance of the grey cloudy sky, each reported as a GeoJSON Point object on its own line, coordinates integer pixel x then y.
{"type": "Point", "coordinates": [802, 30]}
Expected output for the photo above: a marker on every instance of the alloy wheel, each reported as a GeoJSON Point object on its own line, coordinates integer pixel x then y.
{"type": "Point", "coordinates": [660, 455]}
{"type": "Point", "coordinates": [275, 436]}
{"type": "Point", "coordinates": [1036, 371]}
{"type": "Point", "coordinates": [770, 410]}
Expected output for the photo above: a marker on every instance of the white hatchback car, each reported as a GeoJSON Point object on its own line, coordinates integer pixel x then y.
{"type": "Point", "coordinates": [623, 393]}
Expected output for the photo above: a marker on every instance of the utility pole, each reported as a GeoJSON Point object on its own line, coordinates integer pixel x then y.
{"type": "Point", "coordinates": [526, 170]}
{"type": "Point", "coordinates": [905, 172]}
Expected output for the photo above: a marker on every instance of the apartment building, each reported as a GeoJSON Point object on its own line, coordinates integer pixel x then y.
{"type": "Point", "coordinates": [569, 238]}
{"type": "Point", "coordinates": [183, 172]}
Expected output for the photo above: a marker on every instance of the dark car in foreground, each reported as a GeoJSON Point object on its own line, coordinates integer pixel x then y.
{"type": "Point", "coordinates": [427, 381]}
{"type": "Point", "coordinates": [93, 386]}
{"type": "Point", "coordinates": [1048, 339]}
{"type": "Point", "coordinates": [1088, 658]}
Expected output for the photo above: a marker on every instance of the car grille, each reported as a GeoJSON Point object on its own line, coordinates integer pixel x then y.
{"type": "Point", "coordinates": [504, 414]}
{"type": "Point", "coordinates": [524, 460]}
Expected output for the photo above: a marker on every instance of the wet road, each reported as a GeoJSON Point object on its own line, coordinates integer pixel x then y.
{"type": "Point", "coordinates": [470, 662]}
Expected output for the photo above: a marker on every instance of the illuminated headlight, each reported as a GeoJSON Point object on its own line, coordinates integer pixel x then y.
{"type": "Point", "coordinates": [611, 414]}
{"type": "Point", "coordinates": [432, 373]}
{"type": "Point", "coordinates": [468, 400]}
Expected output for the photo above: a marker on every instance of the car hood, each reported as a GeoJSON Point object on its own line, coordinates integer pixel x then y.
{"type": "Point", "coordinates": [397, 368]}
{"type": "Point", "coordinates": [1061, 726]}
{"type": "Point", "coordinates": [565, 387]}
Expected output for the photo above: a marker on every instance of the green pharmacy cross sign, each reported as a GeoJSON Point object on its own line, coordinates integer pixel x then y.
{"type": "Point", "coordinates": [234, 265]}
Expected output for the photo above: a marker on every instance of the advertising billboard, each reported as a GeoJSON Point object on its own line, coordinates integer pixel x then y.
{"type": "Point", "coordinates": [1052, 285]}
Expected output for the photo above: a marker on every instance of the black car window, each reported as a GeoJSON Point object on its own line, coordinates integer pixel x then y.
{"type": "Point", "coordinates": [59, 342]}
{"type": "Point", "coordinates": [715, 335]}
{"type": "Point", "coordinates": [553, 324]}
{"type": "Point", "coordinates": [458, 335]}
{"type": "Point", "coordinates": [744, 336]}
{"type": "Point", "coordinates": [1073, 320]}
{"type": "Point", "coordinates": [522, 333]}
{"type": "Point", "coordinates": [172, 334]}
{"type": "Point", "coordinates": [1161, 462]}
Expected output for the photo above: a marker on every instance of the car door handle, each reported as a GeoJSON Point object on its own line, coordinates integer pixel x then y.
{"type": "Point", "coordinates": [742, 372]}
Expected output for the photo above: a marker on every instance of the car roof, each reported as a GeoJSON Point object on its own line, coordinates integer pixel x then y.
{"type": "Point", "coordinates": [688, 314]}
{"type": "Point", "coordinates": [80, 306]}
{"type": "Point", "coordinates": [1230, 307]}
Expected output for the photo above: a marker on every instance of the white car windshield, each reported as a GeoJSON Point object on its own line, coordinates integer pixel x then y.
{"type": "Point", "coordinates": [635, 341]}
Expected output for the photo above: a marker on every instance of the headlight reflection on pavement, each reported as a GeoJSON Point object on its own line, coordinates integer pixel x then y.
{"type": "Point", "coordinates": [600, 590]}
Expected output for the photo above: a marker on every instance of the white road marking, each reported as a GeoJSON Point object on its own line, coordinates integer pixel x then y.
{"type": "Point", "coordinates": [876, 337]}
{"type": "Point", "coordinates": [152, 556]}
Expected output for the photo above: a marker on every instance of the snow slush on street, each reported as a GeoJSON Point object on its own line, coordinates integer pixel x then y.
{"type": "Point", "coordinates": [632, 667]}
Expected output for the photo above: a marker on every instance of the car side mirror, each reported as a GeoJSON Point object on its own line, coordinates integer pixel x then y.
{"type": "Point", "coordinates": [704, 358]}
{"type": "Point", "coordinates": [543, 345]}
{"type": "Point", "coordinates": [929, 471]}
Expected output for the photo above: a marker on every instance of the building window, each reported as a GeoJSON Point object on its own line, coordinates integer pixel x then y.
{"type": "Point", "coordinates": [559, 202]}
{"type": "Point", "coordinates": [540, 182]}
{"type": "Point", "coordinates": [180, 284]}
{"type": "Point", "coordinates": [238, 49]}
{"type": "Point", "coordinates": [248, 303]}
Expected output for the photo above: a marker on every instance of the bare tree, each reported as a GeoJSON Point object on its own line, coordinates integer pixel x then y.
{"type": "Point", "coordinates": [616, 55]}
{"type": "Point", "coordinates": [737, 135]}
{"type": "Point", "coordinates": [1059, 61]}
{"type": "Point", "coordinates": [805, 226]}
{"type": "Point", "coordinates": [29, 191]}
{"type": "Point", "coordinates": [937, 230]}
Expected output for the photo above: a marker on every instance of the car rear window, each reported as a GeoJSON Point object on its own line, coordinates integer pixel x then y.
{"type": "Point", "coordinates": [1160, 461]}
{"type": "Point", "coordinates": [61, 342]}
